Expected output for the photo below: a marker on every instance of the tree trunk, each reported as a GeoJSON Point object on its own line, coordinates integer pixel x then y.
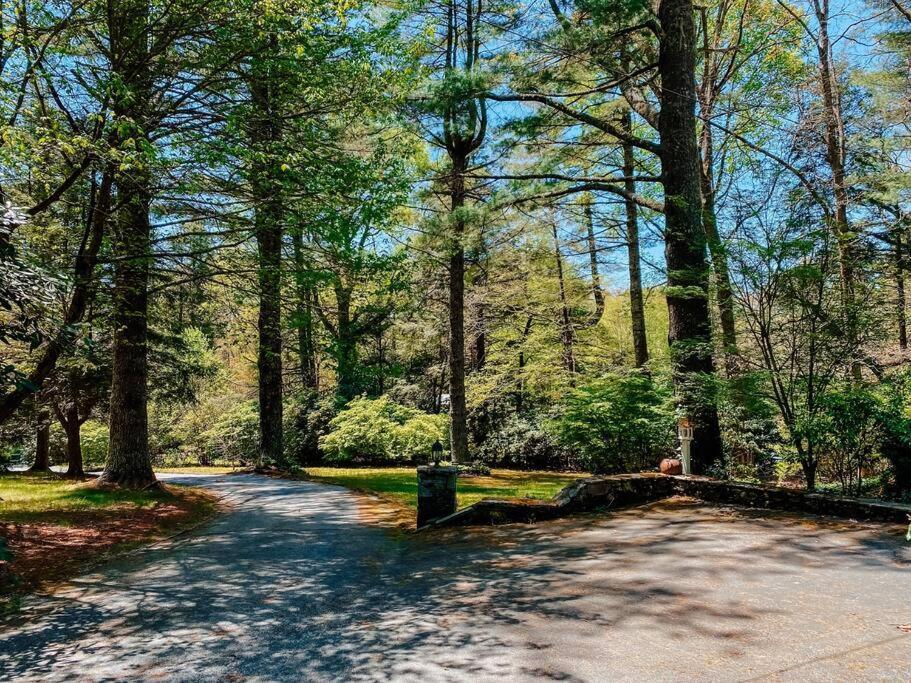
{"type": "Point", "coordinates": [479, 331]}
{"type": "Point", "coordinates": [348, 384]}
{"type": "Point", "coordinates": [809, 473]}
{"type": "Point", "coordinates": [457, 409]}
{"type": "Point", "coordinates": [900, 303]}
{"type": "Point", "coordinates": [566, 323]}
{"type": "Point", "coordinates": [129, 462]}
{"type": "Point", "coordinates": [42, 443]}
{"type": "Point", "coordinates": [306, 349]}
{"type": "Point", "coordinates": [719, 256]}
{"type": "Point", "coordinates": [479, 345]}
{"type": "Point", "coordinates": [72, 425]}
{"type": "Point", "coordinates": [597, 292]}
{"type": "Point", "coordinates": [723, 291]}
{"type": "Point", "coordinates": [266, 187]}
{"type": "Point", "coordinates": [836, 156]}
{"type": "Point", "coordinates": [689, 327]}
{"type": "Point", "coordinates": [636, 302]}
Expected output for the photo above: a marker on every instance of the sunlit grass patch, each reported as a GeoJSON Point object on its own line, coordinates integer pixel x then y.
{"type": "Point", "coordinates": [52, 528]}
{"type": "Point", "coordinates": [196, 470]}
{"type": "Point", "coordinates": [400, 485]}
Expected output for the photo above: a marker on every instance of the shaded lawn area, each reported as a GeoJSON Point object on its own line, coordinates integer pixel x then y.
{"type": "Point", "coordinates": [400, 484]}
{"type": "Point", "coordinates": [52, 528]}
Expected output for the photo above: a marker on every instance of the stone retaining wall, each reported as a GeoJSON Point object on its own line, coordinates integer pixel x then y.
{"type": "Point", "coordinates": [629, 490]}
{"type": "Point", "coordinates": [791, 500]}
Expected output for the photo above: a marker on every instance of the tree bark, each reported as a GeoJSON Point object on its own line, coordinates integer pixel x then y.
{"type": "Point", "coordinates": [836, 156]}
{"type": "Point", "coordinates": [689, 328]}
{"type": "Point", "coordinates": [72, 427]}
{"type": "Point", "coordinates": [597, 292]}
{"type": "Point", "coordinates": [566, 323]}
{"type": "Point", "coordinates": [42, 443]}
{"type": "Point", "coordinates": [345, 346]}
{"type": "Point", "coordinates": [717, 252]}
{"type": "Point", "coordinates": [464, 130]}
{"type": "Point", "coordinates": [268, 214]}
{"type": "Point", "coordinates": [636, 302]}
{"type": "Point", "coordinates": [306, 349]}
{"type": "Point", "coordinates": [129, 462]}
{"type": "Point", "coordinates": [457, 409]}
{"type": "Point", "coordinates": [900, 304]}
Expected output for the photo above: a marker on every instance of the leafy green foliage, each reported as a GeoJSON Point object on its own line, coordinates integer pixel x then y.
{"type": "Point", "coordinates": [94, 438]}
{"type": "Point", "coordinates": [618, 423]}
{"type": "Point", "coordinates": [378, 430]}
{"type": "Point", "coordinates": [307, 418]}
{"type": "Point", "coordinates": [233, 437]}
{"type": "Point", "coordinates": [502, 437]}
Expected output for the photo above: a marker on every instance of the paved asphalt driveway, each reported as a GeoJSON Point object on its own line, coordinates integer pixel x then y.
{"type": "Point", "coordinates": [292, 585]}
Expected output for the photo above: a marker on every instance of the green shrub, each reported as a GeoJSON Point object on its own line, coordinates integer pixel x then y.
{"type": "Point", "coordinates": [519, 441]}
{"type": "Point", "coordinates": [749, 429]}
{"type": "Point", "coordinates": [849, 433]}
{"type": "Point", "coordinates": [788, 471]}
{"type": "Point", "coordinates": [95, 437]}
{"type": "Point", "coordinates": [232, 438]}
{"type": "Point", "coordinates": [307, 418]}
{"type": "Point", "coordinates": [895, 423]}
{"type": "Point", "coordinates": [378, 430]}
{"type": "Point", "coordinates": [619, 423]}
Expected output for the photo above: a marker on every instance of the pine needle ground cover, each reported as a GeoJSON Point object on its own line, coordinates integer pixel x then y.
{"type": "Point", "coordinates": [52, 528]}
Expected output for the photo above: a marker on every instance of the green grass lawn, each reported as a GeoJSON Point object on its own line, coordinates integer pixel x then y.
{"type": "Point", "coordinates": [52, 528]}
{"type": "Point", "coordinates": [400, 484]}
{"type": "Point", "coordinates": [38, 497]}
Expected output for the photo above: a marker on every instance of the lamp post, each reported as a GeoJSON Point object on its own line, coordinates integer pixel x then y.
{"type": "Point", "coordinates": [685, 434]}
{"type": "Point", "coordinates": [437, 451]}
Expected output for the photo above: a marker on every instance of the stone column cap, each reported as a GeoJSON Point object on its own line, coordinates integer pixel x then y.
{"type": "Point", "coordinates": [442, 469]}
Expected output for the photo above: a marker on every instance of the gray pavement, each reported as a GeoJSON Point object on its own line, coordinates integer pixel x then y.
{"type": "Point", "coordinates": [291, 584]}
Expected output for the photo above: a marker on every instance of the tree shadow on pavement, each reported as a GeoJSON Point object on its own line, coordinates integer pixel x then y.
{"type": "Point", "coordinates": [291, 585]}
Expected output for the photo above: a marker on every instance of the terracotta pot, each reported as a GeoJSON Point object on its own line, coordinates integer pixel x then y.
{"type": "Point", "coordinates": [671, 466]}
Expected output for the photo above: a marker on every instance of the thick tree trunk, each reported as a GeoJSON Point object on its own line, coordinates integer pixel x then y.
{"type": "Point", "coordinates": [689, 328]}
{"type": "Point", "coordinates": [306, 349]}
{"type": "Point", "coordinates": [266, 186]}
{"type": "Point", "coordinates": [636, 302]}
{"type": "Point", "coordinates": [42, 443]}
{"type": "Point", "coordinates": [809, 474]}
{"type": "Point", "coordinates": [457, 409]}
{"type": "Point", "coordinates": [129, 462]}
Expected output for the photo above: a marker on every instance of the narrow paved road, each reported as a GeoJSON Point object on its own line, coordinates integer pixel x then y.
{"type": "Point", "coordinates": [292, 585]}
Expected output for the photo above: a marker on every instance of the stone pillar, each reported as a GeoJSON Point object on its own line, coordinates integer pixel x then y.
{"type": "Point", "coordinates": [436, 492]}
